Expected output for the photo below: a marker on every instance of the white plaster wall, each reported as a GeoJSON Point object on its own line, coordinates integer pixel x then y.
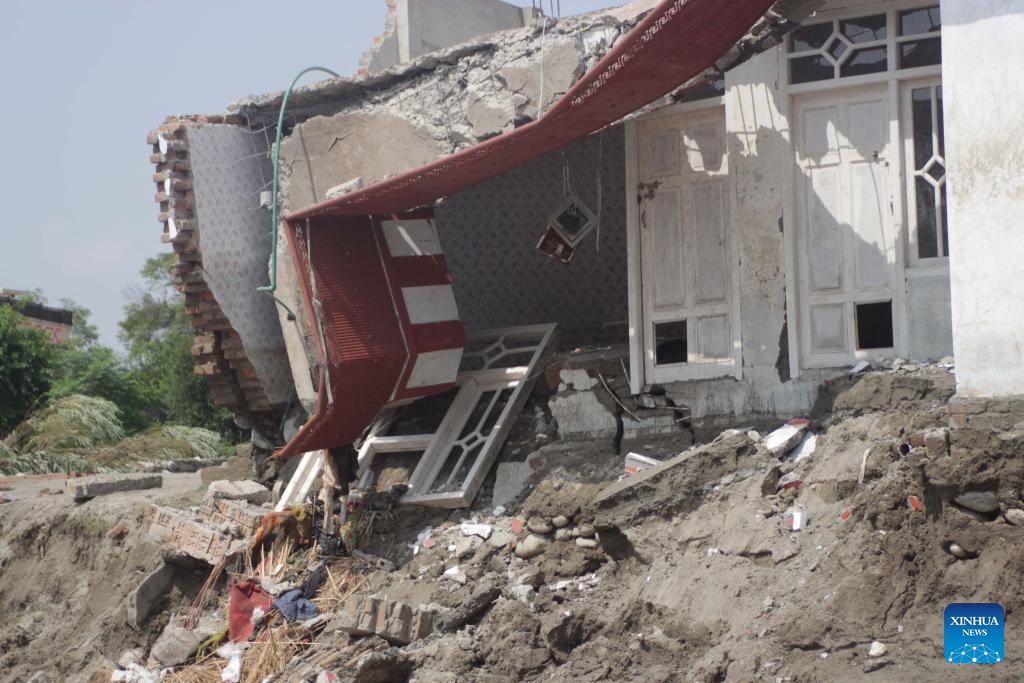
{"type": "Point", "coordinates": [428, 25]}
{"type": "Point", "coordinates": [983, 57]}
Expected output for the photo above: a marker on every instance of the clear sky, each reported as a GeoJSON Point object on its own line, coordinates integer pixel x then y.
{"type": "Point", "coordinates": [82, 84]}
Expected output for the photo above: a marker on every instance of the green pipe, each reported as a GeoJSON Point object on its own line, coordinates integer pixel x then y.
{"type": "Point", "coordinates": [269, 290]}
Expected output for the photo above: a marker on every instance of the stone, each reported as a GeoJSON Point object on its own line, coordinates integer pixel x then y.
{"type": "Point", "coordinates": [560, 521]}
{"type": "Point", "coordinates": [456, 574]}
{"type": "Point", "coordinates": [523, 594]}
{"type": "Point", "coordinates": [142, 602]}
{"type": "Point", "coordinates": [532, 546]}
{"type": "Point", "coordinates": [586, 530]}
{"type": "Point", "coordinates": [486, 117]}
{"type": "Point", "coordinates": [464, 547]}
{"type": "Point", "coordinates": [539, 525]}
{"type": "Point", "coordinates": [470, 610]}
{"type": "Point", "coordinates": [770, 483]}
{"type": "Point", "coordinates": [588, 543]}
{"type": "Point", "coordinates": [118, 531]}
{"type": "Point", "coordinates": [877, 649]}
{"type": "Point", "coordinates": [482, 530]}
{"type": "Point", "coordinates": [563, 534]}
{"type": "Point", "coordinates": [984, 502]}
{"type": "Point", "coordinates": [249, 491]}
{"type": "Point", "coordinates": [501, 538]}
{"type": "Point", "coordinates": [40, 677]}
{"type": "Point", "coordinates": [509, 480]}
{"type": "Point", "coordinates": [177, 644]}
{"type": "Point", "coordinates": [530, 576]}
{"type": "Point", "coordinates": [1015, 516]}
{"type": "Point", "coordinates": [102, 485]}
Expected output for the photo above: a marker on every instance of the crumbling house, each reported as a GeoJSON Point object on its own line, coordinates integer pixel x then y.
{"type": "Point", "coordinates": [732, 199]}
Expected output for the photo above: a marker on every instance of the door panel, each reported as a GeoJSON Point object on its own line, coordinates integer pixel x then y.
{"type": "Point", "coordinates": [844, 223]}
{"type": "Point", "coordinates": [686, 254]}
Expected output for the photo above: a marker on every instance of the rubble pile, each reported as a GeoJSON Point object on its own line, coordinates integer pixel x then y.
{"type": "Point", "coordinates": [825, 549]}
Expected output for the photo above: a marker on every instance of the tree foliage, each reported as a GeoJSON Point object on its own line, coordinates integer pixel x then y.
{"type": "Point", "coordinates": [158, 339]}
{"type": "Point", "coordinates": [28, 366]}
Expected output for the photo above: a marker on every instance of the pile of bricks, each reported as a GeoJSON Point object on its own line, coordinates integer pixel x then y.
{"type": "Point", "coordinates": [394, 621]}
{"type": "Point", "coordinates": [220, 357]}
{"type": "Point", "coordinates": [199, 534]}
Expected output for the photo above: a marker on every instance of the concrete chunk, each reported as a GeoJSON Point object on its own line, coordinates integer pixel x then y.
{"type": "Point", "coordinates": [90, 487]}
{"type": "Point", "coordinates": [249, 491]}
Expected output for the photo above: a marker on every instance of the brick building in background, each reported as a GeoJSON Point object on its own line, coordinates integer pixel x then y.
{"type": "Point", "coordinates": [56, 322]}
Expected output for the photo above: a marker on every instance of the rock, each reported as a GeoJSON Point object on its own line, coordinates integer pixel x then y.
{"type": "Point", "coordinates": [586, 542]}
{"type": "Point", "coordinates": [249, 491]}
{"type": "Point", "coordinates": [532, 546]}
{"type": "Point", "coordinates": [539, 525]}
{"type": "Point", "coordinates": [177, 643]}
{"type": "Point", "coordinates": [530, 576]}
{"type": "Point", "coordinates": [984, 502]}
{"type": "Point", "coordinates": [464, 547]}
{"type": "Point", "coordinates": [560, 521]}
{"type": "Point", "coordinates": [875, 665]}
{"type": "Point", "coordinates": [563, 534]}
{"type": "Point", "coordinates": [770, 483]}
{"type": "Point", "coordinates": [501, 538]}
{"type": "Point", "coordinates": [40, 677]}
{"type": "Point", "coordinates": [143, 601]}
{"type": "Point", "coordinates": [958, 551]}
{"type": "Point", "coordinates": [523, 594]}
{"type": "Point", "coordinates": [877, 649]}
{"type": "Point", "coordinates": [1015, 516]}
{"type": "Point", "coordinates": [586, 530]}
{"type": "Point", "coordinates": [118, 531]}
{"type": "Point", "coordinates": [456, 574]}
{"type": "Point", "coordinates": [482, 530]}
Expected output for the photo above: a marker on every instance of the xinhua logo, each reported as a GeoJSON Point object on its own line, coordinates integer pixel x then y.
{"type": "Point", "coordinates": [974, 633]}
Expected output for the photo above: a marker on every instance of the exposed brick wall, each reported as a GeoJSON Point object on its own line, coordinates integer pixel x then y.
{"type": "Point", "coordinates": [220, 357]}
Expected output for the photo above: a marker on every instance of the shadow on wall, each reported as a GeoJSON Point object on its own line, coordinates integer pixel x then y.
{"type": "Point", "coordinates": [490, 232]}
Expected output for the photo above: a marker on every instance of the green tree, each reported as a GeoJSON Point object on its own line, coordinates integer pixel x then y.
{"type": "Point", "coordinates": [158, 338]}
{"type": "Point", "coordinates": [28, 365]}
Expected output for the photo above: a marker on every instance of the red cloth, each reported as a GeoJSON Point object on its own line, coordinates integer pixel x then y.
{"type": "Point", "coordinates": [246, 596]}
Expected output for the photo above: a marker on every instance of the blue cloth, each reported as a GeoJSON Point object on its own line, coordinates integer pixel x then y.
{"type": "Point", "coordinates": [294, 605]}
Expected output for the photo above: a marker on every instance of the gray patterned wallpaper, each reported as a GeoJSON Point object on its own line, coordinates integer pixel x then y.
{"type": "Point", "coordinates": [490, 232]}
{"type": "Point", "coordinates": [229, 168]}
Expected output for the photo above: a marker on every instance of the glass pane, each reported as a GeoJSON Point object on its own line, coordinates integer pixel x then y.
{"type": "Point", "coordinates": [809, 37]}
{"type": "Point", "coordinates": [870, 60]}
{"type": "Point", "coordinates": [942, 127]}
{"type": "Point", "coordinates": [863, 29]}
{"type": "Point", "coordinates": [921, 20]}
{"type": "Point", "coordinates": [927, 242]}
{"type": "Point", "coordinates": [837, 48]}
{"type": "Point", "coordinates": [670, 343]}
{"type": "Point", "coordinates": [921, 53]}
{"type": "Point", "coordinates": [921, 109]}
{"type": "Point", "coordinates": [945, 228]}
{"type": "Point", "coordinates": [812, 68]}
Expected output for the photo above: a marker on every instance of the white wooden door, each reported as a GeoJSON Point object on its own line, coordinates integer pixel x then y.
{"type": "Point", "coordinates": [686, 257]}
{"type": "Point", "coordinates": [846, 239]}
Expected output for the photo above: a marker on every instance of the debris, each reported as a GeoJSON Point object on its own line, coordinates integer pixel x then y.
{"type": "Point", "coordinates": [539, 525]}
{"type": "Point", "coordinates": [509, 480]}
{"type": "Point", "coordinates": [249, 491]}
{"type": "Point", "coordinates": [845, 514]}
{"type": "Point", "coordinates": [637, 463]}
{"type": "Point", "coordinates": [118, 531]}
{"type": "Point", "coordinates": [585, 530]}
{"type": "Point", "coordinates": [984, 502]}
{"type": "Point", "coordinates": [588, 543]}
{"type": "Point", "coordinates": [859, 368]}
{"type": "Point", "coordinates": [532, 546]}
{"type": "Point", "coordinates": [877, 649]}
{"type": "Point", "coordinates": [396, 622]}
{"type": "Point", "coordinates": [560, 521]}
{"type": "Point", "coordinates": [142, 602]}
{"type": "Point", "coordinates": [1015, 516]}
{"type": "Point", "coordinates": [563, 534]}
{"type": "Point", "coordinates": [481, 530]}
{"type": "Point", "coordinates": [246, 597]}
{"type": "Point", "coordinates": [805, 448]}
{"type": "Point", "coordinates": [797, 520]}
{"type": "Point", "coordinates": [786, 438]}
{"type": "Point", "coordinates": [457, 575]}
{"type": "Point", "coordinates": [517, 526]}
{"type": "Point", "coordinates": [232, 673]}
{"type": "Point", "coordinates": [295, 606]}
{"type": "Point", "coordinates": [470, 610]}
{"type": "Point", "coordinates": [915, 503]}
{"type": "Point", "coordinates": [84, 488]}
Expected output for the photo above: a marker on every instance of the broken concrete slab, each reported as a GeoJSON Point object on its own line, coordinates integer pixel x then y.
{"type": "Point", "coordinates": [190, 536]}
{"type": "Point", "coordinates": [562, 65]}
{"type": "Point", "coordinates": [143, 601]}
{"type": "Point", "coordinates": [102, 485]}
{"type": "Point", "coordinates": [786, 438]}
{"type": "Point", "coordinates": [675, 485]}
{"type": "Point", "coordinates": [177, 643]}
{"type": "Point", "coordinates": [581, 416]}
{"type": "Point", "coordinates": [249, 491]}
